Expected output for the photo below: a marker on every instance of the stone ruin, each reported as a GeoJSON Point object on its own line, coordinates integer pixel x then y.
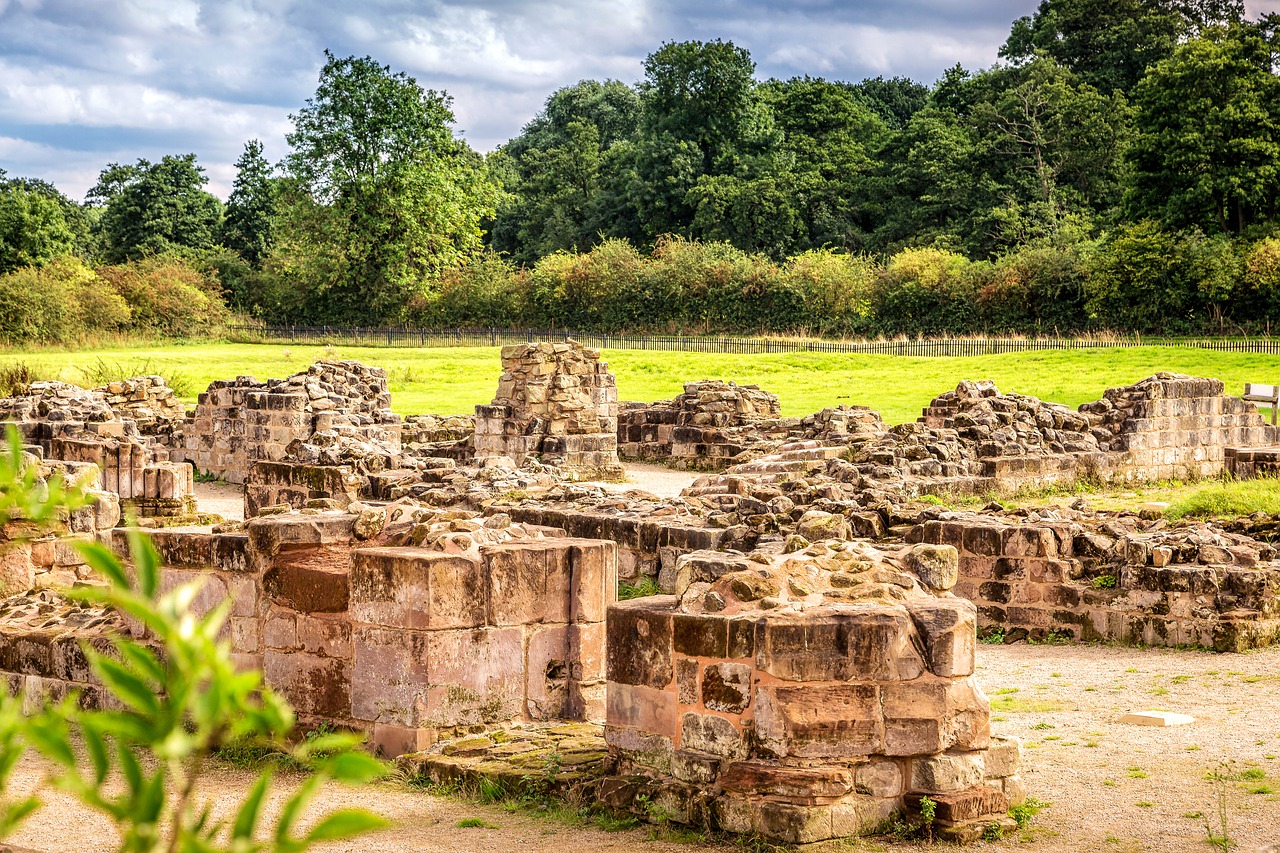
{"type": "Point", "coordinates": [119, 429]}
{"type": "Point", "coordinates": [555, 402]}
{"type": "Point", "coordinates": [241, 422]}
{"type": "Point", "coordinates": [806, 696]}
{"type": "Point", "coordinates": [714, 424]}
{"type": "Point", "coordinates": [447, 584]}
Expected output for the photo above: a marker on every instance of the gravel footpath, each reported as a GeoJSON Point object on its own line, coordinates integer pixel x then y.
{"type": "Point", "coordinates": [1111, 787]}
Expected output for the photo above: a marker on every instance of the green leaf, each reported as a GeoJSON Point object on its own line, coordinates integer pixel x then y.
{"type": "Point", "coordinates": [96, 746]}
{"type": "Point", "coordinates": [146, 562]}
{"type": "Point", "coordinates": [126, 686]}
{"type": "Point", "coordinates": [293, 807]}
{"type": "Point", "coordinates": [357, 766]}
{"type": "Point", "coordinates": [247, 818]}
{"type": "Point", "coordinates": [141, 659]}
{"type": "Point", "coordinates": [104, 562]}
{"type": "Point", "coordinates": [345, 823]}
{"type": "Point", "coordinates": [130, 769]}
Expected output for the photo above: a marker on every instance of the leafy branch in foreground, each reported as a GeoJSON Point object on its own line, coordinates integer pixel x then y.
{"type": "Point", "coordinates": [173, 698]}
{"type": "Point", "coordinates": [180, 698]}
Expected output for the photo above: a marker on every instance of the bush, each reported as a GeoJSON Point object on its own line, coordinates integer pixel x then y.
{"type": "Point", "coordinates": [58, 303]}
{"type": "Point", "coordinates": [168, 295]}
{"type": "Point", "coordinates": [927, 292]}
{"type": "Point", "coordinates": [1146, 279]}
{"type": "Point", "coordinates": [486, 292]}
{"type": "Point", "coordinates": [1035, 289]}
{"type": "Point", "coordinates": [837, 290]}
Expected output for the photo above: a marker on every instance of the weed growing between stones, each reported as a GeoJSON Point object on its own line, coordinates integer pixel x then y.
{"type": "Point", "coordinates": [640, 588]}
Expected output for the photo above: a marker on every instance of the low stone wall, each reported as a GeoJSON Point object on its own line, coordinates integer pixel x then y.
{"type": "Point", "coordinates": [806, 697]}
{"type": "Point", "coordinates": [1119, 580]}
{"type": "Point", "coordinates": [295, 484]}
{"type": "Point", "coordinates": [358, 627]}
{"type": "Point", "coordinates": [647, 546]}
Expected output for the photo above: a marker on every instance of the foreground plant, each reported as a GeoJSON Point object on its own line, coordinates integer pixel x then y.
{"type": "Point", "coordinates": [171, 700]}
{"type": "Point", "coordinates": [181, 698]}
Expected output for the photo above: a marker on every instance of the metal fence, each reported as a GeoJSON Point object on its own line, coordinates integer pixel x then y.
{"type": "Point", "coordinates": [938, 347]}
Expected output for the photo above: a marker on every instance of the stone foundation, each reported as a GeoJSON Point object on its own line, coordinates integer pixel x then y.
{"type": "Point", "coordinates": [242, 421]}
{"type": "Point", "coordinates": [804, 698]}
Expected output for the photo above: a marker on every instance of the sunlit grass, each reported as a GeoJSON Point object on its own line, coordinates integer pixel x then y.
{"type": "Point", "coordinates": [455, 380]}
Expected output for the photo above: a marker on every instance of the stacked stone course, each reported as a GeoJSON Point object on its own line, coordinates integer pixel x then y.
{"type": "Point", "coordinates": [239, 422]}
{"type": "Point", "coordinates": [807, 696]}
{"type": "Point", "coordinates": [714, 424]}
{"type": "Point", "coordinates": [557, 403]}
{"type": "Point", "coordinates": [1114, 578]}
{"type": "Point", "coordinates": [71, 424]}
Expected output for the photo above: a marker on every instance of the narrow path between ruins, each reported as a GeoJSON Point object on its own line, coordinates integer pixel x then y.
{"type": "Point", "coordinates": [1112, 787]}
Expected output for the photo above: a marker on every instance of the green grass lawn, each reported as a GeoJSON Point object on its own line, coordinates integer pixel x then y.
{"type": "Point", "coordinates": [453, 381]}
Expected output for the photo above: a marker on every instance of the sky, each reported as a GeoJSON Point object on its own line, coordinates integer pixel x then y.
{"type": "Point", "coordinates": [88, 82]}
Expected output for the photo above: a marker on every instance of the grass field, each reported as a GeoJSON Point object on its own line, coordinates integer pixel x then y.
{"type": "Point", "coordinates": [453, 381]}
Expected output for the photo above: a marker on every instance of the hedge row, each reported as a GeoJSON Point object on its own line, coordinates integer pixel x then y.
{"type": "Point", "coordinates": [66, 301]}
{"type": "Point", "coordinates": [1139, 279]}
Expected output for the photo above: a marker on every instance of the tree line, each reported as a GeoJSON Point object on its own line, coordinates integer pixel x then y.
{"type": "Point", "coordinates": [1118, 168]}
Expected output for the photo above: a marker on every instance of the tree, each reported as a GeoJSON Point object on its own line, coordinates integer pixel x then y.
{"type": "Point", "coordinates": [379, 197]}
{"type": "Point", "coordinates": [561, 173]}
{"type": "Point", "coordinates": [699, 116]}
{"type": "Point", "coordinates": [894, 100]}
{"type": "Point", "coordinates": [154, 208]}
{"type": "Point", "coordinates": [1207, 151]}
{"type": "Point", "coordinates": [33, 229]}
{"type": "Point", "coordinates": [1110, 43]}
{"type": "Point", "coordinates": [246, 225]}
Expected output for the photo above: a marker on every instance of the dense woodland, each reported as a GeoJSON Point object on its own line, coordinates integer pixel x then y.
{"type": "Point", "coordinates": [1118, 169]}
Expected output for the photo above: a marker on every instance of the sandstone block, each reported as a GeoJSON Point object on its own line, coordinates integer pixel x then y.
{"type": "Point", "coordinates": [819, 721]}
{"type": "Point", "coordinates": [417, 588]}
{"type": "Point", "coordinates": [947, 773]}
{"type": "Point", "coordinates": [639, 645]}
{"type": "Point", "coordinates": [713, 735]}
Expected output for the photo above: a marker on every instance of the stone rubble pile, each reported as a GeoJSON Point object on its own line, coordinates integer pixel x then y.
{"type": "Point", "coordinates": [147, 401]}
{"type": "Point", "coordinates": [714, 423]}
{"type": "Point", "coordinates": [58, 403]}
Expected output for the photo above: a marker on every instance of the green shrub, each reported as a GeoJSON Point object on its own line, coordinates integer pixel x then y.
{"type": "Point", "coordinates": [58, 303]}
{"type": "Point", "coordinates": [927, 292]}
{"type": "Point", "coordinates": [168, 295]}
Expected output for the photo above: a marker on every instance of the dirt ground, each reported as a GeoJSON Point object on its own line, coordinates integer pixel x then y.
{"type": "Point", "coordinates": [1110, 787]}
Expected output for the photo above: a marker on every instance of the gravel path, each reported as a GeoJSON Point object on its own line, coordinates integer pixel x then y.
{"type": "Point", "coordinates": [1111, 787]}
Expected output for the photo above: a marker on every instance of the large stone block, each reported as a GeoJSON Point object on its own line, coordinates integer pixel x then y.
{"type": "Point", "coordinates": [639, 644]}
{"type": "Point", "coordinates": [528, 582]}
{"type": "Point", "coordinates": [948, 629]}
{"type": "Point", "coordinates": [314, 685]}
{"type": "Point", "coordinates": [417, 588]}
{"type": "Point", "coordinates": [864, 642]}
{"type": "Point", "coordinates": [642, 709]}
{"type": "Point", "coordinates": [310, 580]}
{"type": "Point", "coordinates": [819, 721]}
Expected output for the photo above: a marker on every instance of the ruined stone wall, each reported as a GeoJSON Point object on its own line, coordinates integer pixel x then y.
{"type": "Point", "coordinates": [405, 629]}
{"type": "Point", "coordinates": [52, 561]}
{"type": "Point", "coordinates": [714, 424]}
{"type": "Point", "coordinates": [242, 421]}
{"type": "Point", "coordinates": [72, 424]}
{"type": "Point", "coordinates": [806, 697]}
{"type": "Point", "coordinates": [1118, 579]}
{"type": "Point", "coordinates": [555, 402]}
